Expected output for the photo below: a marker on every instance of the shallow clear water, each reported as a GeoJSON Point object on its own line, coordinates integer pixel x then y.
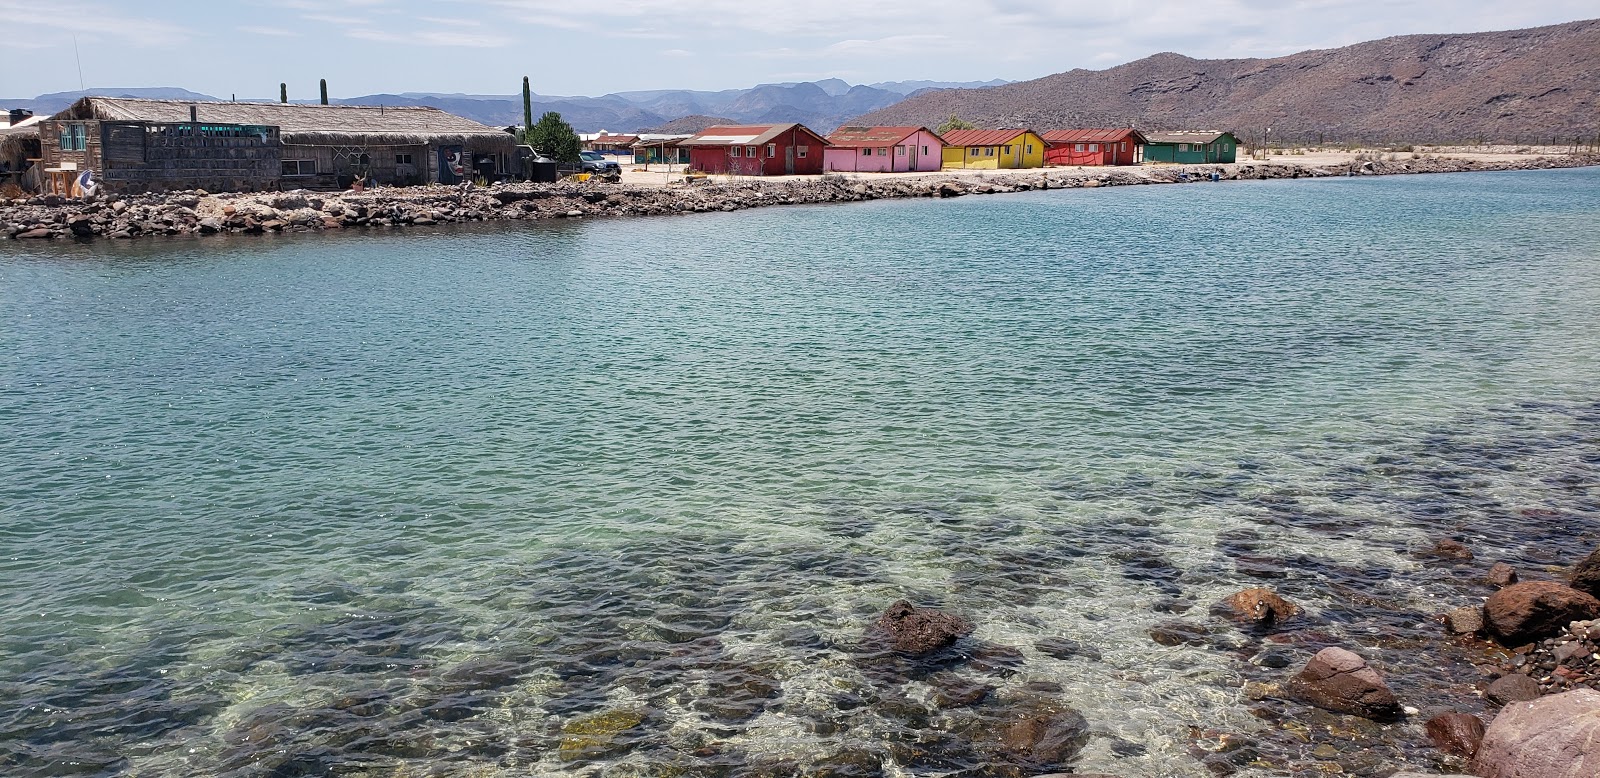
{"type": "Point", "coordinates": [245, 481]}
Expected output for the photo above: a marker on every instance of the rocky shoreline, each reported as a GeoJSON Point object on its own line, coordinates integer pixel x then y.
{"type": "Point", "coordinates": [202, 213]}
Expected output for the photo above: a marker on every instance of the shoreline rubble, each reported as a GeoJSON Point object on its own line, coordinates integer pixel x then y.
{"type": "Point", "coordinates": [198, 212]}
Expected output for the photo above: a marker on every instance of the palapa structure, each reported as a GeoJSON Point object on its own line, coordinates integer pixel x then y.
{"type": "Point", "coordinates": [153, 145]}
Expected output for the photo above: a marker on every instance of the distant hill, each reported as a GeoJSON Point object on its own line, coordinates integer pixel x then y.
{"type": "Point", "coordinates": [689, 124]}
{"type": "Point", "coordinates": [1521, 84]}
{"type": "Point", "coordinates": [56, 102]}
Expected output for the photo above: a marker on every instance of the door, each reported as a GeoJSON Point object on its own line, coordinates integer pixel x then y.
{"type": "Point", "coordinates": [913, 166]}
{"type": "Point", "coordinates": [788, 160]}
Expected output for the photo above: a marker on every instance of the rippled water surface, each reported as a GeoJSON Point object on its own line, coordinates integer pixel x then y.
{"type": "Point", "coordinates": [621, 497]}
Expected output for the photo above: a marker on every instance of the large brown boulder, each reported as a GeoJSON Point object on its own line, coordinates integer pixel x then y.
{"type": "Point", "coordinates": [1341, 681]}
{"type": "Point", "coordinates": [1553, 737]}
{"type": "Point", "coordinates": [1586, 576]}
{"type": "Point", "coordinates": [919, 631]}
{"type": "Point", "coordinates": [1525, 612]}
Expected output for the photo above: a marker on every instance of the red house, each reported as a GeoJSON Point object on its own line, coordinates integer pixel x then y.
{"type": "Point", "coordinates": [756, 150]}
{"type": "Point", "coordinates": [1123, 146]}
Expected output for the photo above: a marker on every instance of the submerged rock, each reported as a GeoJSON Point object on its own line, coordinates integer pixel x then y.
{"type": "Point", "coordinates": [1525, 612]}
{"type": "Point", "coordinates": [1501, 575]}
{"type": "Point", "coordinates": [1455, 733]}
{"type": "Point", "coordinates": [1262, 607]}
{"type": "Point", "coordinates": [599, 735]}
{"type": "Point", "coordinates": [1340, 681]}
{"type": "Point", "coordinates": [1554, 737]}
{"type": "Point", "coordinates": [920, 631]}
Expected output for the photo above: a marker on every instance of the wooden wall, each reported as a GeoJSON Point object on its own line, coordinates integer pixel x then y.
{"type": "Point", "coordinates": [130, 157]}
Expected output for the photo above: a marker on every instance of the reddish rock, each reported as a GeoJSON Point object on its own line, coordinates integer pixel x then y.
{"type": "Point", "coordinates": [1341, 681]}
{"type": "Point", "coordinates": [1456, 733]}
{"type": "Point", "coordinates": [1515, 687]}
{"type": "Point", "coordinates": [1502, 575]}
{"type": "Point", "coordinates": [1464, 620]}
{"type": "Point", "coordinates": [1260, 606]}
{"type": "Point", "coordinates": [919, 631]}
{"type": "Point", "coordinates": [1554, 737]}
{"type": "Point", "coordinates": [1525, 612]}
{"type": "Point", "coordinates": [39, 234]}
{"type": "Point", "coordinates": [1586, 576]}
{"type": "Point", "coordinates": [1449, 549]}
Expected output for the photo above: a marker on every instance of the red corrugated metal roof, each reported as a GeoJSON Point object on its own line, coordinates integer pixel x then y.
{"type": "Point", "coordinates": [1093, 136]}
{"type": "Point", "coordinates": [743, 135]}
{"type": "Point", "coordinates": [855, 137]}
{"type": "Point", "coordinates": [618, 140]}
{"type": "Point", "coordinates": [982, 137]}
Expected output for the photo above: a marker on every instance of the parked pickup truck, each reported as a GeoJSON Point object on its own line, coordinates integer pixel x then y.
{"type": "Point", "coordinates": [595, 162]}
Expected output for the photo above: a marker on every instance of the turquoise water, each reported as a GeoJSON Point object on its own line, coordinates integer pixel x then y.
{"type": "Point", "coordinates": [244, 479]}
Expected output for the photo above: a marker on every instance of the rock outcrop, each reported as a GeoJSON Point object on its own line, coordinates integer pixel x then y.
{"type": "Point", "coordinates": [919, 631]}
{"type": "Point", "coordinates": [1525, 612]}
{"type": "Point", "coordinates": [1554, 737]}
{"type": "Point", "coordinates": [1262, 607]}
{"type": "Point", "coordinates": [1585, 576]}
{"type": "Point", "coordinates": [1455, 733]}
{"type": "Point", "coordinates": [1340, 681]}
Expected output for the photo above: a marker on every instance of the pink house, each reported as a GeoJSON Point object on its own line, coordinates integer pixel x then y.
{"type": "Point", "coordinates": [883, 150]}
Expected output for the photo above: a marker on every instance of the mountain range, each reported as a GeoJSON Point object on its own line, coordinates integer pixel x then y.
{"type": "Point", "coordinates": [821, 105]}
{"type": "Point", "coordinates": [1527, 85]}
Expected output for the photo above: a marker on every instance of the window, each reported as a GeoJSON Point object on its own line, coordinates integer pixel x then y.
{"type": "Point", "coordinates": [74, 137]}
{"type": "Point", "coordinates": [772, 150]}
{"type": "Point", "coordinates": [1094, 147]}
{"type": "Point", "coordinates": [737, 151]}
{"type": "Point", "coordinates": [1008, 149]}
{"type": "Point", "coordinates": [988, 151]}
{"type": "Point", "coordinates": [800, 151]}
{"type": "Point", "coordinates": [1124, 145]}
{"type": "Point", "coordinates": [299, 167]}
{"type": "Point", "coordinates": [753, 152]}
{"type": "Point", "coordinates": [976, 151]}
{"type": "Point", "coordinates": [866, 152]}
{"type": "Point", "coordinates": [1077, 147]}
{"type": "Point", "coordinates": [883, 151]}
{"type": "Point", "coordinates": [899, 151]}
{"type": "Point", "coordinates": [924, 151]}
{"type": "Point", "coordinates": [1030, 148]}
{"type": "Point", "coordinates": [1183, 147]}
{"type": "Point", "coordinates": [402, 159]}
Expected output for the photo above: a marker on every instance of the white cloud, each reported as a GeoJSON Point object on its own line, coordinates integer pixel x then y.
{"type": "Point", "coordinates": [91, 22]}
{"type": "Point", "coordinates": [272, 32]}
{"type": "Point", "coordinates": [447, 38]}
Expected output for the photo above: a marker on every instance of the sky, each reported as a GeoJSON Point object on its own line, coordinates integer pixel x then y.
{"type": "Point", "coordinates": [245, 48]}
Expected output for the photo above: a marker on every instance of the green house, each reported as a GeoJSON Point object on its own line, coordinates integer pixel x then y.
{"type": "Point", "coordinates": [1191, 147]}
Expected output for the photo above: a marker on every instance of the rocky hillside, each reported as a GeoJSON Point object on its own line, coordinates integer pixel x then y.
{"type": "Point", "coordinates": [1516, 86]}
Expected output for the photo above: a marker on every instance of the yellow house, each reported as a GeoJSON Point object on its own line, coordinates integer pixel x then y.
{"type": "Point", "coordinates": [993, 149]}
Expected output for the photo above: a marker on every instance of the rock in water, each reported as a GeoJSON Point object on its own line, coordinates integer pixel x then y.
{"type": "Point", "coordinates": [1464, 620]}
{"type": "Point", "coordinates": [1456, 733]}
{"type": "Point", "coordinates": [1502, 575]}
{"type": "Point", "coordinates": [1449, 549]}
{"type": "Point", "coordinates": [1586, 576]}
{"type": "Point", "coordinates": [1046, 739]}
{"type": "Point", "coordinates": [919, 631]}
{"type": "Point", "coordinates": [1525, 612]}
{"type": "Point", "coordinates": [1516, 687]}
{"type": "Point", "coordinates": [1554, 737]}
{"type": "Point", "coordinates": [1260, 606]}
{"type": "Point", "coordinates": [1340, 681]}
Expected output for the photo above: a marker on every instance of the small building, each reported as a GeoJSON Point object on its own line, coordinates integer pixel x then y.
{"type": "Point", "coordinates": [1191, 147]}
{"type": "Point", "coordinates": [660, 149]}
{"type": "Point", "coordinates": [19, 149]}
{"type": "Point", "coordinates": [756, 150]}
{"type": "Point", "coordinates": [1124, 146]}
{"type": "Point", "coordinates": [611, 144]}
{"type": "Point", "coordinates": [993, 149]}
{"type": "Point", "coordinates": [136, 145]}
{"type": "Point", "coordinates": [883, 150]}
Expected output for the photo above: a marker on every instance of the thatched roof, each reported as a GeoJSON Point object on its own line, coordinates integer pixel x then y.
{"type": "Point", "coordinates": [302, 124]}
